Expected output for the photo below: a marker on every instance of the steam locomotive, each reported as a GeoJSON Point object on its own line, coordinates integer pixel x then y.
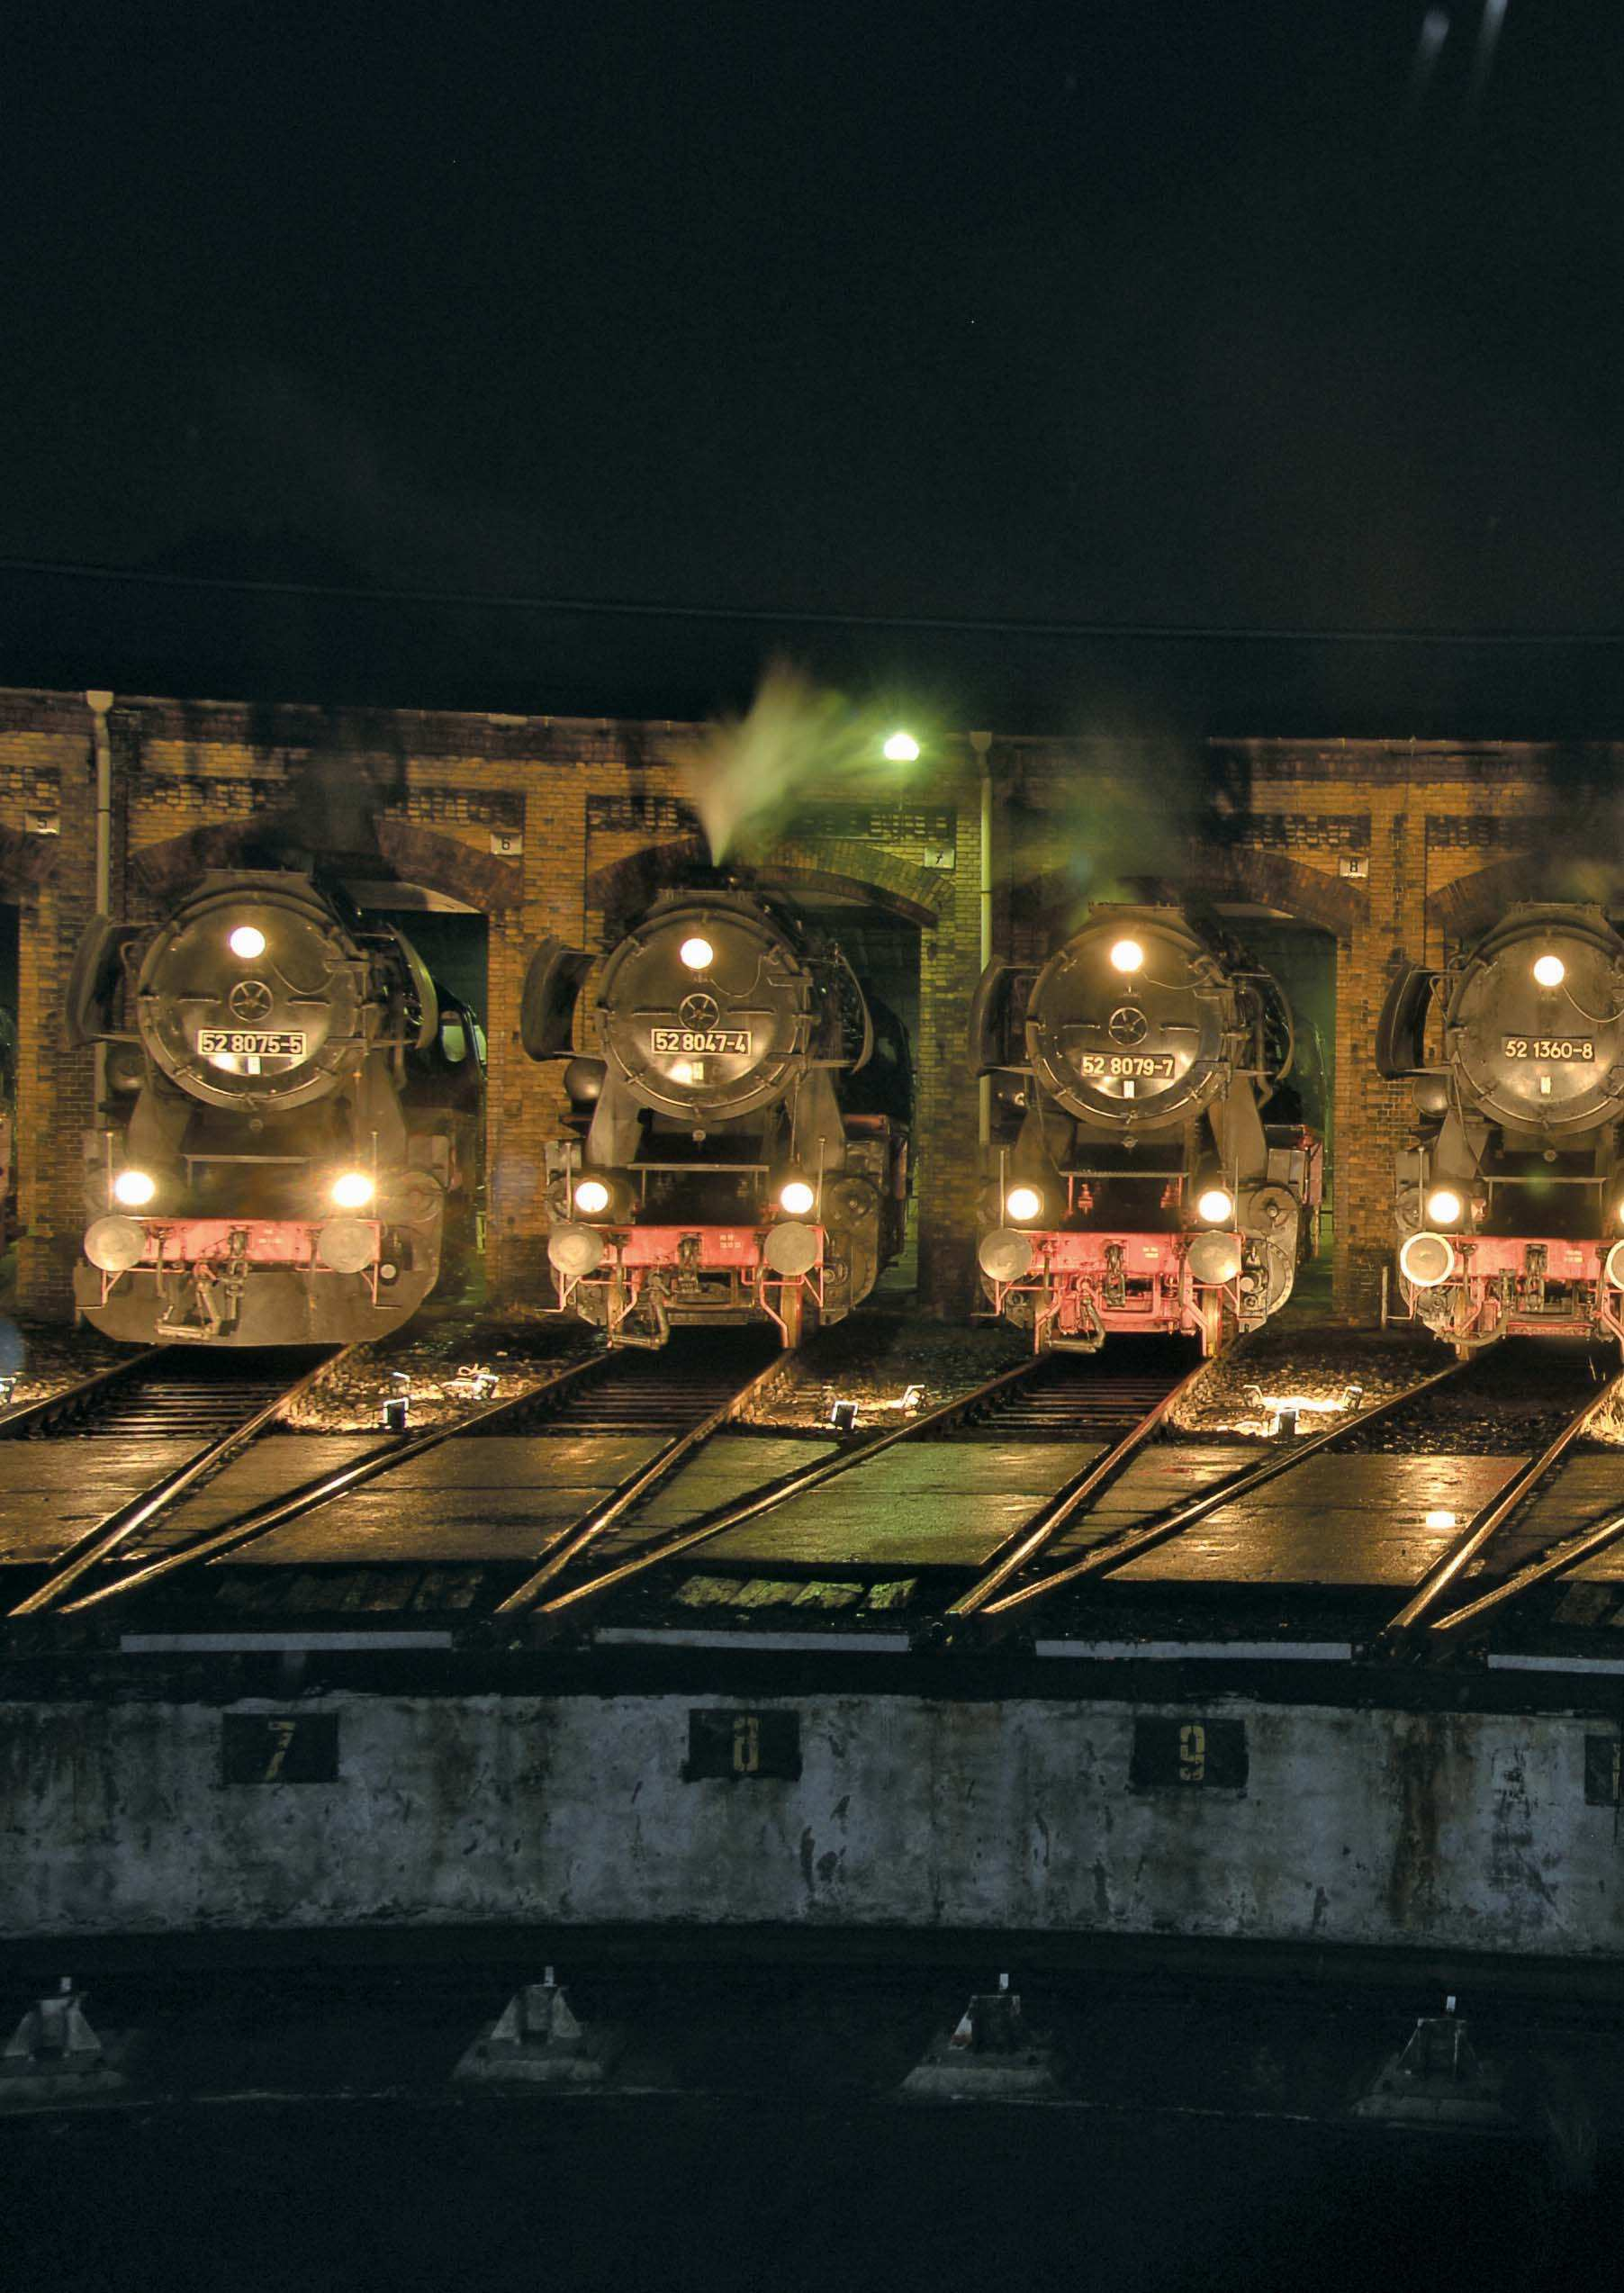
{"type": "Point", "coordinates": [292, 1129]}
{"type": "Point", "coordinates": [738, 1145]}
{"type": "Point", "coordinates": [1133, 1182]}
{"type": "Point", "coordinates": [1509, 1202]}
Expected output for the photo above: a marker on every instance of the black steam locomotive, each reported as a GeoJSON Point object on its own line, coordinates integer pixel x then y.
{"type": "Point", "coordinates": [292, 1129]}
{"type": "Point", "coordinates": [1133, 1181]}
{"type": "Point", "coordinates": [1509, 1203]}
{"type": "Point", "coordinates": [737, 1147]}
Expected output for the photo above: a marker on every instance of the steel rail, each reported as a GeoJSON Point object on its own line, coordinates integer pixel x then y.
{"type": "Point", "coordinates": [776, 1493]}
{"type": "Point", "coordinates": [18, 1420]}
{"type": "Point", "coordinates": [1555, 1562]}
{"type": "Point", "coordinates": [116, 1528]}
{"type": "Point", "coordinates": [1487, 1519]}
{"type": "Point", "coordinates": [1037, 1533]}
{"type": "Point", "coordinates": [562, 1549]}
{"type": "Point", "coordinates": [1105, 1560]}
{"type": "Point", "coordinates": [248, 1527]}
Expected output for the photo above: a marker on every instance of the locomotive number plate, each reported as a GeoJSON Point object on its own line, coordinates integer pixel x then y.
{"type": "Point", "coordinates": [1550, 1047]}
{"type": "Point", "coordinates": [702, 1041]}
{"type": "Point", "coordinates": [1158, 1067]}
{"type": "Point", "coordinates": [251, 1043]}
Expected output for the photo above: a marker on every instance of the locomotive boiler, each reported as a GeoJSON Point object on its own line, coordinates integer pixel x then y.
{"type": "Point", "coordinates": [290, 1132]}
{"type": "Point", "coordinates": [1133, 1182]}
{"type": "Point", "coordinates": [1510, 1199]}
{"type": "Point", "coordinates": [737, 1141]}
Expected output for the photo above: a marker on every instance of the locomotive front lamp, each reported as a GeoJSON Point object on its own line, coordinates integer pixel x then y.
{"type": "Point", "coordinates": [134, 1188]}
{"type": "Point", "coordinates": [248, 941]}
{"type": "Point", "coordinates": [1127, 957]}
{"type": "Point", "coordinates": [1215, 1205]}
{"type": "Point", "coordinates": [1549, 970]}
{"type": "Point", "coordinates": [1023, 1203]}
{"type": "Point", "coordinates": [696, 954]}
{"type": "Point", "coordinates": [1443, 1206]}
{"type": "Point", "coordinates": [592, 1197]}
{"type": "Point", "coordinates": [900, 748]}
{"type": "Point", "coordinates": [797, 1197]}
{"type": "Point", "coordinates": [352, 1191]}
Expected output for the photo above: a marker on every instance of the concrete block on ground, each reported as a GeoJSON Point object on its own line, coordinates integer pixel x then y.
{"type": "Point", "coordinates": [537, 2040]}
{"type": "Point", "coordinates": [990, 2055]}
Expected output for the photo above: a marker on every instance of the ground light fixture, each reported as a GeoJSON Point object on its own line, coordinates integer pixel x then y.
{"type": "Point", "coordinates": [1442, 1518]}
{"type": "Point", "coordinates": [1023, 1203]}
{"type": "Point", "coordinates": [134, 1188]}
{"type": "Point", "coordinates": [797, 1196]}
{"type": "Point", "coordinates": [352, 1191]}
{"type": "Point", "coordinates": [592, 1197]}
{"type": "Point", "coordinates": [1127, 957]}
{"type": "Point", "coordinates": [697, 953]}
{"type": "Point", "coordinates": [1215, 1204]}
{"type": "Point", "coordinates": [248, 941]}
{"type": "Point", "coordinates": [1549, 970]}
{"type": "Point", "coordinates": [900, 748]}
{"type": "Point", "coordinates": [1443, 1206]}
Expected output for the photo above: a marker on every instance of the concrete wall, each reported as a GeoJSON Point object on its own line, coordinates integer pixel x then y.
{"type": "Point", "coordinates": [1353, 1827]}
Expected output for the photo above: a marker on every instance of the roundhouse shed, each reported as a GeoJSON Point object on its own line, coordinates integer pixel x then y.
{"type": "Point", "coordinates": [492, 831]}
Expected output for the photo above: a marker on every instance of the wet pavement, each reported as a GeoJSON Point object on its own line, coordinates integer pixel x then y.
{"type": "Point", "coordinates": [1336, 1519]}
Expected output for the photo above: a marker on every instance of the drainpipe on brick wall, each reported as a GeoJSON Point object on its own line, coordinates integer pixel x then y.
{"type": "Point", "coordinates": [982, 745]}
{"type": "Point", "coordinates": [98, 704]}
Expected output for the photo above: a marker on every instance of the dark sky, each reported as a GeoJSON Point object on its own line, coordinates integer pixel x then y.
{"type": "Point", "coordinates": [1218, 314]}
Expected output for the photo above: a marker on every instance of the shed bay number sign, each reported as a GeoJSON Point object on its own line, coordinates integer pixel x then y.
{"type": "Point", "coordinates": [1188, 1754]}
{"type": "Point", "coordinates": [738, 1747]}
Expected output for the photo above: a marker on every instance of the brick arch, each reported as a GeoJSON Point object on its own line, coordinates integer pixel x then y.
{"type": "Point", "coordinates": [1472, 903]}
{"type": "Point", "coordinates": [623, 888]}
{"type": "Point", "coordinates": [413, 854]}
{"type": "Point", "coordinates": [1229, 872]}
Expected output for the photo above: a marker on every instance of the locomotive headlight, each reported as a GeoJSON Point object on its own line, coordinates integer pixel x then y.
{"type": "Point", "coordinates": [1024, 1204]}
{"type": "Point", "coordinates": [797, 1197]}
{"type": "Point", "coordinates": [248, 942]}
{"type": "Point", "coordinates": [352, 1191]}
{"type": "Point", "coordinates": [592, 1197]}
{"type": "Point", "coordinates": [1443, 1206]}
{"type": "Point", "coordinates": [1215, 1204]}
{"type": "Point", "coordinates": [1127, 956]}
{"type": "Point", "coordinates": [1549, 970]}
{"type": "Point", "coordinates": [697, 953]}
{"type": "Point", "coordinates": [134, 1188]}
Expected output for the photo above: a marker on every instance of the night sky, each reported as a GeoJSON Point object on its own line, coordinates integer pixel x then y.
{"type": "Point", "coordinates": [1232, 315]}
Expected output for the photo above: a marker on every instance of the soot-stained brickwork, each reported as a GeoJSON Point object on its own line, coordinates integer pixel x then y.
{"type": "Point", "coordinates": [1384, 849]}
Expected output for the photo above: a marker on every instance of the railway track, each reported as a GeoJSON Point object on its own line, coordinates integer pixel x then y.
{"type": "Point", "coordinates": [218, 1402]}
